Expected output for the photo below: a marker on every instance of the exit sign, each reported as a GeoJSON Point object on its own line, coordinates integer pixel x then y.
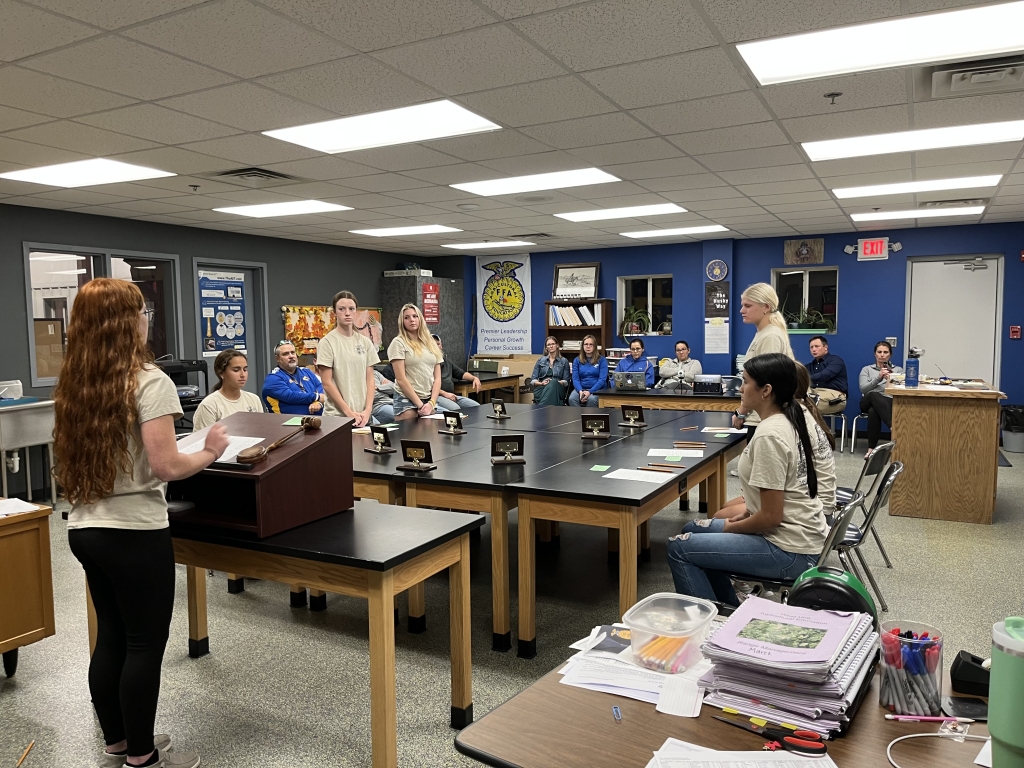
{"type": "Point", "coordinates": [872, 249]}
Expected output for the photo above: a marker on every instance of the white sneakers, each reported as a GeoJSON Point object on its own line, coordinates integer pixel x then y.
{"type": "Point", "coordinates": [160, 741]}
{"type": "Point", "coordinates": [165, 758]}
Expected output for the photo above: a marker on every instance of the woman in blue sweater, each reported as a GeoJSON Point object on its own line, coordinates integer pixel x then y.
{"type": "Point", "coordinates": [589, 372]}
{"type": "Point", "coordinates": [635, 362]}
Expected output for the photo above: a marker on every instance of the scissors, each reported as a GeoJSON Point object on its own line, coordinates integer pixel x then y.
{"type": "Point", "coordinates": [800, 742]}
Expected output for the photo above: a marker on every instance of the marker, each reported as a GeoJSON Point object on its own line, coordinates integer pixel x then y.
{"type": "Point", "coordinates": [921, 719]}
{"type": "Point", "coordinates": [617, 714]}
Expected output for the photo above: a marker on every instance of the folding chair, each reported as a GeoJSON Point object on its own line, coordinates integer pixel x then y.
{"type": "Point", "coordinates": [874, 465]}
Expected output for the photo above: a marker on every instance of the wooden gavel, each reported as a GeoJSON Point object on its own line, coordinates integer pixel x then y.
{"type": "Point", "coordinates": [259, 453]}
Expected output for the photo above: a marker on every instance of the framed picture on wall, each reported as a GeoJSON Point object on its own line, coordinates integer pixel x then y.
{"type": "Point", "coordinates": [807, 251]}
{"type": "Point", "coordinates": [575, 281]}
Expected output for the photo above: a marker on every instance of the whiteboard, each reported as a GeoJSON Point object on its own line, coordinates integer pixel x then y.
{"type": "Point", "coordinates": [955, 314]}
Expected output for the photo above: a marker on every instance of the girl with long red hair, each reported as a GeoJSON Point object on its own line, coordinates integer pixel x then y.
{"type": "Point", "coordinates": [115, 450]}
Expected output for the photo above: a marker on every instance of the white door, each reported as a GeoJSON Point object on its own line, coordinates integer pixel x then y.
{"type": "Point", "coordinates": [954, 312]}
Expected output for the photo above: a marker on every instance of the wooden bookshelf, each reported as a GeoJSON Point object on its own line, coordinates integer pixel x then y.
{"type": "Point", "coordinates": [605, 331]}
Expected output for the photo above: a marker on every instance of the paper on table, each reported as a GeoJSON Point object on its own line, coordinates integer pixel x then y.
{"type": "Point", "coordinates": [235, 444]}
{"type": "Point", "coordinates": [433, 416]}
{"type": "Point", "coordinates": [641, 475]}
{"type": "Point", "coordinates": [680, 696]}
{"type": "Point", "coordinates": [725, 430]}
{"type": "Point", "coordinates": [985, 756]}
{"type": "Point", "coordinates": [622, 676]}
{"type": "Point", "coordinates": [15, 506]}
{"type": "Point", "coordinates": [741, 760]}
{"type": "Point", "coordinates": [690, 454]}
{"type": "Point", "coordinates": [295, 421]}
{"type": "Point", "coordinates": [676, 747]}
{"type": "Point", "coordinates": [600, 468]}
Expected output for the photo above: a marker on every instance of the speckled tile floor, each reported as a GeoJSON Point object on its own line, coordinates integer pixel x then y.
{"type": "Point", "coordinates": [285, 687]}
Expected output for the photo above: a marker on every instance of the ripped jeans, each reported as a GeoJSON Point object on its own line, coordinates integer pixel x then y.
{"type": "Point", "coordinates": [703, 556]}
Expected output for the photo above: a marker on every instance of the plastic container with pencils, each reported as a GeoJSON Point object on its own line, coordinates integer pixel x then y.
{"type": "Point", "coordinates": [911, 668]}
{"type": "Point", "coordinates": [667, 629]}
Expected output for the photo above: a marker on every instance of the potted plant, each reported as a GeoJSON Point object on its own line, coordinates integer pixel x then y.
{"type": "Point", "coordinates": [635, 322]}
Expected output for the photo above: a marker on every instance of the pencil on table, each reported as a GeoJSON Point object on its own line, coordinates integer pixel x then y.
{"type": "Point", "coordinates": [656, 469]}
{"type": "Point", "coordinates": [670, 466]}
{"type": "Point", "coordinates": [25, 753]}
{"type": "Point", "coordinates": [684, 429]}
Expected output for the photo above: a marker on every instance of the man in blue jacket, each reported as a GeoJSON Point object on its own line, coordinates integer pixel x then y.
{"type": "Point", "coordinates": [828, 377]}
{"type": "Point", "coordinates": [291, 389]}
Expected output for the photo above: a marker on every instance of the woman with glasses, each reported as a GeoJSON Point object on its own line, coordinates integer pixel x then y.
{"type": "Point", "coordinates": [680, 371]}
{"type": "Point", "coordinates": [550, 377]}
{"type": "Point", "coordinates": [589, 372]}
{"type": "Point", "coordinates": [232, 369]}
{"type": "Point", "coordinates": [635, 362]}
{"type": "Point", "coordinates": [873, 401]}
{"type": "Point", "coordinates": [345, 360]}
{"type": "Point", "coordinates": [417, 363]}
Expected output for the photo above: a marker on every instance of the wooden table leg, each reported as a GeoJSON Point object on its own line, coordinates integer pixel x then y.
{"type": "Point", "coordinates": [198, 635]}
{"type": "Point", "coordinates": [297, 597]}
{"type": "Point", "coordinates": [723, 484]}
{"type": "Point", "coordinates": [544, 531]}
{"type": "Point", "coordinates": [383, 709]}
{"type": "Point", "coordinates": [90, 617]}
{"type": "Point", "coordinates": [515, 391]}
{"type": "Point", "coordinates": [703, 491]}
{"type": "Point", "coordinates": [645, 540]}
{"type": "Point", "coordinates": [417, 608]}
{"type": "Point", "coordinates": [527, 644]}
{"type": "Point", "coordinates": [318, 600]}
{"type": "Point", "coordinates": [627, 561]}
{"type": "Point", "coordinates": [502, 635]}
{"type": "Point", "coordinates": [461, 629]}
{"type": "Point", "coordinates": [716, 492]}
{"type": "Point", "coordinates": [236, 583]}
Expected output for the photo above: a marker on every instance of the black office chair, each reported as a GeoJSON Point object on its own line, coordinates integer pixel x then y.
{"type": "Point", "coordinates": [855, 535]}
{"type": "Point", "coordinates": [874, 466]}
{"type": "Point", "coordinates": [781, 587]}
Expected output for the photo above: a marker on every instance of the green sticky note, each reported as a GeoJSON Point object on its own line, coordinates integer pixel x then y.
{"type": "Point", "coordinates": [600, 468]}
{"type": "Point", "coordinates": [721, 434]}
{"type": "Point", "coordinates": [294, 422]}
{"type": "Point", "coordinates": [673, 458]}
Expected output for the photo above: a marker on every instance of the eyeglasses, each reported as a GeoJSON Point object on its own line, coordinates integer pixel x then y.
{"type": "Point", "coordinates": [149, 313]}
{"type": "Point", "coordinates": [282, 343]}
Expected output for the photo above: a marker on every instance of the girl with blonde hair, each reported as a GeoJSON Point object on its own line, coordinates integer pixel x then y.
{"type": "Point", "coordinates": [759, 306]}
{"type": "Point", "coordinates": [115, 451]}
{"type": "Point", "coordinates": [417, 363]}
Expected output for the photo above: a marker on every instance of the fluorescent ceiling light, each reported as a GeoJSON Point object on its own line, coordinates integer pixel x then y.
{"type": "Point", "coordinates": [85, 173]}
{"type": "Point", "coordinates": [919, 213]}
{"type": "Point", "coordinates": [69, 272]}
{"type": "Point", "coordinates": [537, 182]}
{"type": "Point", "coordinates": [915, 141]}
{"type": "Point", "coordinates": [475, 246]}
{"type": "Point", "coordinates": [972, 33]}
{"type": "Point", "coordinates": [283, 209]}
{"type": "Point", "coordinates": [794, 272]}
{"type": "Point", "coordinates": [55, 257]}
{"type": "Point", "coordinates": [623, 213]}
{"type": "Point", "coordinates": [424, 229]}
{"type": "Point", "coordinates": [910, 187]}
{"type": "Point", "coordinates": [143, 267]}
{"type": "Point", "coordinates": [405, 125]}
{"type": "Point", "coordinates": [672, 232]}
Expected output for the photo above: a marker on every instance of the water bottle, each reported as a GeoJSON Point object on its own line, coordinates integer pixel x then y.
{"type": "Point", "coordinates": [1006, 694]}
{"type": "Point", "coordinates": [913, 368]}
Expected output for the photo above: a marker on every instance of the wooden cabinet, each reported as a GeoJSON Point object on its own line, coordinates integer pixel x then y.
{"type": "Point", "coordinates": [603, 330]}
{"type": "Point", "coordinates": [26, 582]}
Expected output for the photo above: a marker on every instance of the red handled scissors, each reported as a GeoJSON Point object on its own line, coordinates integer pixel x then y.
{"type": "Point", "coordinates": [800, 742]}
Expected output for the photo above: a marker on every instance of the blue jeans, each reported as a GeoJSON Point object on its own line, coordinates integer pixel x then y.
{"type": "Point", "coordinates": [458, 404]}
{"type": "Point", "coordinates": [703, 556]}
{"type": "Point", "coordinates": [383, 413]}
{"type": "Point", "coordinates": [574, 399]}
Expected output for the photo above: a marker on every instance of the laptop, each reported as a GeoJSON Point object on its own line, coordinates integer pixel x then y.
{"type": "Point", "coordinates": [630, 380]}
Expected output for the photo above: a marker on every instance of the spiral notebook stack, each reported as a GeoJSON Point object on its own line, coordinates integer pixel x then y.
{"type": "Point", "coordinates": [791, 665]}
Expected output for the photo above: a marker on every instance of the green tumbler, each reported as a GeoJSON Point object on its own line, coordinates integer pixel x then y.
{"type": "Point", "coordinates": [1006, 694]}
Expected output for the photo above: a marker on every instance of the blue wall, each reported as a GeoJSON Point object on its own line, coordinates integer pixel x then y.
{"type": "Point", "coordinates": [872, 294]}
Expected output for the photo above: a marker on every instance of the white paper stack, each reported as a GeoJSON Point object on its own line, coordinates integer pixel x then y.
{"type": "Point", "coordinates": [789, 664]}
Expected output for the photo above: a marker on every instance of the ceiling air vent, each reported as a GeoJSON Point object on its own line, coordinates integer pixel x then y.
{"type": "Point", "coordinates": [252, 177]}
{"type": "Point", "coordinates": [973, 203]}
{"type": "Point", "coordinates": [969, 78]}
{"type": "Point", "coordinates": [532, 236]}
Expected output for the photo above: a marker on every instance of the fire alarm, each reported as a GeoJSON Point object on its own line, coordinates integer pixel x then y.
{"type": "Point", "coordinates": [1014, 331]}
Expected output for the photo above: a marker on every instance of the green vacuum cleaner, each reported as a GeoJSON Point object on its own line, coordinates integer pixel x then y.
{"type": "Point", "coordinates": [831, 589]}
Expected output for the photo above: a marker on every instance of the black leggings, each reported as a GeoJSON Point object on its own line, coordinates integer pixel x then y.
{"type": "Point", "coordinates": [878, 407]}
{"type": "Point", "coordinates": [131, 580]}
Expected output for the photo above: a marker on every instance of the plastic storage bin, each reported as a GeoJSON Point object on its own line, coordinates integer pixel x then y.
{"type": "Point", "coordinates": [666, 630]}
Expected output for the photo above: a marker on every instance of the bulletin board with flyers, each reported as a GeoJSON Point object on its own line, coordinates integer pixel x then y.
{"type": "Point", "coordinates": [304, 326]}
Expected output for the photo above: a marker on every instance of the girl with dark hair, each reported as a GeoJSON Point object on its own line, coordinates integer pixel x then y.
{"type": "Point", "coordinates": [589, 372]}
{"type": "Point", "coordinates": [780, 530]}
{"type": "Point", "coordinates": [874, 402]}
{"type": "Point", "coordinates": [114, 452]}
{"type": "Point", "coordinates": [344, 361]}
{"type": "Point", "coordinates": [232, 369]}
{"type": "Point", "coordinates": [635, 362]}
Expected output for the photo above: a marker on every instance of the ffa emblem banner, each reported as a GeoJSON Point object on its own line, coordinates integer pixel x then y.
{"type": "Point", "coordinates": [503, 309]}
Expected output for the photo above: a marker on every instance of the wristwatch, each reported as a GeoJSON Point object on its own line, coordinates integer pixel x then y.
{"type": "Point", "coordinates": [740, 416]}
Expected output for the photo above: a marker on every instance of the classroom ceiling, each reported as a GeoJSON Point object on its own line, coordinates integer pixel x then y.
{"type": "Point", "coordinates": [651, 91]}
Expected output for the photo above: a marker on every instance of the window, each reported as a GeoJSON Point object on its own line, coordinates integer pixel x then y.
{"type": "Point", "coordinates": [54, 275]}
{"type": "Point", "coordinates": [808, 298]}
{"type": "Point", "coordinates": [650, 297]}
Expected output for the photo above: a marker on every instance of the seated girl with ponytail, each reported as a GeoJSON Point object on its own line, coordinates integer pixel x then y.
{"type": "Point", "coordinates": [780, 529]}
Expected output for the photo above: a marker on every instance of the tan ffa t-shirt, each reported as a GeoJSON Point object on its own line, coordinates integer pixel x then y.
{"type": "Point", "coordinates": [769, 339]}
{"type": "Point", "coordinates": [348, 357]}
{"type": "Point", "coordinates": [774, 461]}
{"type": "Point", "coordinates": [137, 501]}
{"type": "Point", "coordinates": [419, 366]}
{"type": "Point", "coordinates": [824, 463]}
{"type": "Point", "coordinates": [216, 407]}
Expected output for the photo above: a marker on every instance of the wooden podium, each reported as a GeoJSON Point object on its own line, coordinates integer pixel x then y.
{"type": "Point", "coordinates": [26, 583]}
{"type": "Point", "coordinates": [306, 479]}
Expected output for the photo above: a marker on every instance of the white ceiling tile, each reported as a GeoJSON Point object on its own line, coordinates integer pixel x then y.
{"type": "Point", "coordinates": [601, 192]}
{"type": "Point", "coordinates": [614, 32]}
{"type": "Point", "coordinates": [248, 106]}
{"type": "Point", "coordinates": [842, 124]}
{"type": "Point", "coordinates": [542, 102]}
{"type": "Point", "coordinates": [362, 202]}
{"type": "Point", "coordinates": [681, 183]}
{"type": "Point", "coordinates": [114, 14]}
{"type": "Point", "coordinates": [772, 197]}
{"type": "Point", "coordinates": [687, 196]}
{"type": "Point", "coordinates": [81, 197]}
{"type": "Point", "coordinates": [782, 187]}
{"type": "Point", "coordinates": [384, 23]}
{"type": "Point", "coordinates": [673, 78]}
{"type": "Point", "coordinates": [867, 179]}
{"type": "Point", "coordinates": [922, 6]}
{"type": "Point", "coordinates": [405, 157]}
{"type": "Point", "coordinates": [705, 114]}
{"type": "Point", "coordinates": [871, 89]}
{"type": "Point", "coordinates": [818, 205]}
{"type": "Point", "coordinates": [763, 175]}
{"type": "Point", "coordinates": [389, 182]}
{"type": "Point", "coordinates": [765, 157]}
{"type": "Point", "coordinates": [990, 154]}
{"type": "Point", "coordinates": [171, 186]}
{"type": "Point", "coordinates": [151, 206]}
{"type": "Point", "coordinates": [23, 153]}
{"type": "Point", "coordinates": [429, 194]}
{"type": "Point", "coordinates": [585, 131]}
{"type": "Point", "coordinates": [175, 160]}
{"type": "Point", "coordinates": [481, 146]}
{"type": "Point", "coordinates": [472, 61]}
{"type": "Point", "coordinates": [1015, 200]}
{"type": "Point", "coordinates": [739, 203]}
{"type": "Point", "coordinates": [453, 174]}
{"type": "Point", "coordinates": [861, 165]}
{"type": "Point", "coordinates": [410, 211]}
{"type": "Point", "coordinates": [26, 31]}
{"type": "Point", "coordinates": [655, 169]}
{"type": "Point", "coordinates": [813, 216]}
{"type": "Point", "coordinates": [966, 111]}
{"type": "Point", "coordinates": [47, 95]}
{"type": "Point", "coordinates": [352, 85]}
{"type": "Point", "coordinates": [323, 168]}
{"type": "Point", "coordinates": [162, 218]}
{"type": "Point", "coordinates": [545, 162]}
{"type": "Point", "coordinates": [80, 138]}
{"type": "Point", "coordinates": [105, 210]}
{"type": "Point", "coordinates": [156, 123]}
{"type": "Point", "coordinates": [637, 151]}
{"type": "Point", "coordinates": [251, 149]}
{"type": "Point", "coordinates": [123, 66]}
{"type": "Point", "coordinates": [739, 20]}
{"type": "Point", "coordinates": [11, 118]}
{"type": "Point", "coordinates": [750, 136]}
{"type": "Point", "coordinates": [38, 202]}
{"type": "Point", "coordinates": [239, 37]}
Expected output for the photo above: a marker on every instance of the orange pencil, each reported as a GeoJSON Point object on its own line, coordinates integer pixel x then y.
{"type": "Point", "coordinates": [655, 469]}
{"type": "Point", "coordinates": [25, 753]}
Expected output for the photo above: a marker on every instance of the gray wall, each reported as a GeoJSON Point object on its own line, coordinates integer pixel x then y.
{"type": "Point", "coordinates": [396, 291]}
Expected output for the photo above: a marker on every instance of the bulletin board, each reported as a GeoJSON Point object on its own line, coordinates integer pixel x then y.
{"type": "Point", "coordinates": [304, 326]}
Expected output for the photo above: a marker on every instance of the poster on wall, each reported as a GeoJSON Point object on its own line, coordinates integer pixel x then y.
{"type": "Point", "coordinates": [503, 308]}
{"type": "Point", "coordinates": [431, 307]}
{"type": "Point", "coordinates": [304, 326]}
{"type": "Point", "coordinates": [222, 311]}
{"type": "Point", "coordinates": [716, 318]}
